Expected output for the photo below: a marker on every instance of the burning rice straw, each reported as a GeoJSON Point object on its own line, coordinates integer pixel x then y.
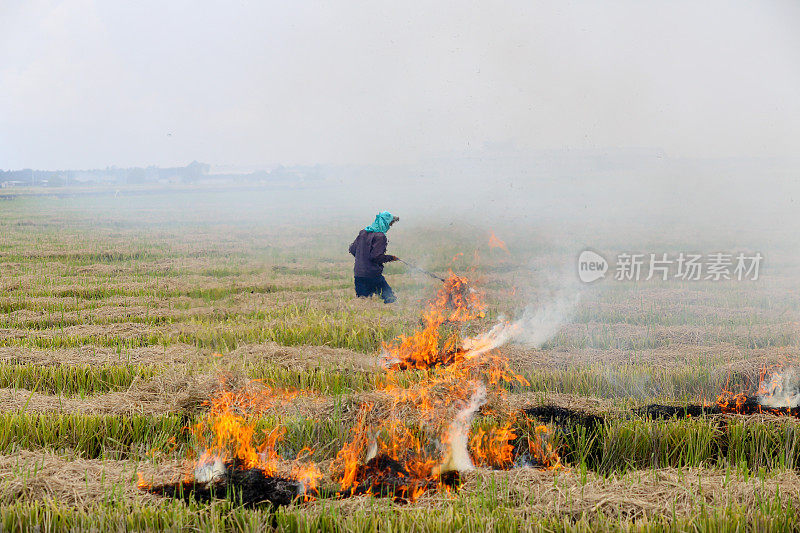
{"type": "Point", "coordinates": [778, 393]}
{"type": "Point", "coordinates": [419, 442]}
{"type": "Point", "coordinates": [425, 348]}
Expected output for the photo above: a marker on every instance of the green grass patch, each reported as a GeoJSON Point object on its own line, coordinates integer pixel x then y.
{"type": "Point", "coordinates": [621, 445]}
{"type": "Point", "coordinates": [91, 436]}
{"type": "Point", "coordinates": [462, 513]}
{"type": "Point", "coordinates": [73, 379]}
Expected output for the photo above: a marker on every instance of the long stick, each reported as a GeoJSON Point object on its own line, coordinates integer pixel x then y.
{"type": "Point", "coordinates": [415, 267]}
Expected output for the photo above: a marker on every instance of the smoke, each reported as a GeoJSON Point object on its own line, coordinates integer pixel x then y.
{"type": "Point", "coordinates": [456, 438]}
{"type": "Point", "coordinates": [781, 390]}
{"type": "Point", "coordinates": [209, 469]}
{"type": "Point", "coordinates": [372, 451]}
{"type": "Point", "coordinates": [536, 326]}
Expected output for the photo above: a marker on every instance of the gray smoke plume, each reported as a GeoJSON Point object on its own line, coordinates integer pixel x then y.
{"type": "Point", "coordinates": [781, 390]}
{"type": "Point", "coordinates": [209, 469]}
{"type": "Point", "coordinates": [456, 438]}
{"type": "Point", "coordinates": [536, 326]}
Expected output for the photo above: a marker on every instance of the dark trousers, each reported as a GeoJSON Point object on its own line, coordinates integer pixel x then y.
{"type": "Point", "coordinates": [366, 287]}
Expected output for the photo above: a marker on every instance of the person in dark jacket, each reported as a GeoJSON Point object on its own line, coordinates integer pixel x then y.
{"type": "Point", "coordinates": [369, 249]}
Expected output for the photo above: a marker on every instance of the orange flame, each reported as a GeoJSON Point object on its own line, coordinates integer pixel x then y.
{"type": "Point", "coordinates": [456, 301]}
{"type": "Point", "coordinates": [227, 434]}
{"type": "Point", "coordinates": [542, 450]}
{"type": "Point", "coordinates": [349, 457]}
{"type": "Point", "coordinates": [442, 402]}
{"type": "Point", "coordinates": [770, 396]}
{"type": "Point", "coordinates": [729, 402]}
{"type": "Point", "coordinates": [224, 432]}
{"type": "Point", "coordinates": [494, 242]}
{"type": "Point", "coordinates": [142, 483]}
{"type": "Point", "coordinates": [424, 427]}
{"type": "Point", "coordinates": [493, 448]}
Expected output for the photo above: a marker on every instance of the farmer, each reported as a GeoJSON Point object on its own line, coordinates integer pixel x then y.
{"type": "Point", "coordinates": [369, 249]}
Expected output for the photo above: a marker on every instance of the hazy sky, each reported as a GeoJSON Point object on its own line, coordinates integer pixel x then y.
{"type": "Point", "coordinates": [90, 83]}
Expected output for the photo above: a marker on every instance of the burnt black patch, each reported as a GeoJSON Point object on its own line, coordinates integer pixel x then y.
{"type": "Point", "coordinates": [746, 405]}
{"type": "Point", "coordinates": [562, 416]}
{"type": "Point", "coordinates": [659, 411]}
{"type": "Point", "coordinates": [743, 405]}
{"type": "Point", "coordinates": [249, 487]}
{"type": "Point", "coordinates": [385, 477]}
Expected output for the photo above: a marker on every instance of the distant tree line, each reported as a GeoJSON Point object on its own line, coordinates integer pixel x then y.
{"type": "Point", "coordinates": [191, 173]}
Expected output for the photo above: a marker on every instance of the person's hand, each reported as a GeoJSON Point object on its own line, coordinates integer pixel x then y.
{"type": "Point", "coordinates": [392, 257]}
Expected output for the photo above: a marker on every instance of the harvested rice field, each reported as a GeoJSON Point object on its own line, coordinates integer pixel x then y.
{"type": "Point", "coordinates": [206, 367]}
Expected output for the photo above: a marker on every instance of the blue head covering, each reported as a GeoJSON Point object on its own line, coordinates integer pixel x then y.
{"type": "Point", "coordinates": [382, 221]}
